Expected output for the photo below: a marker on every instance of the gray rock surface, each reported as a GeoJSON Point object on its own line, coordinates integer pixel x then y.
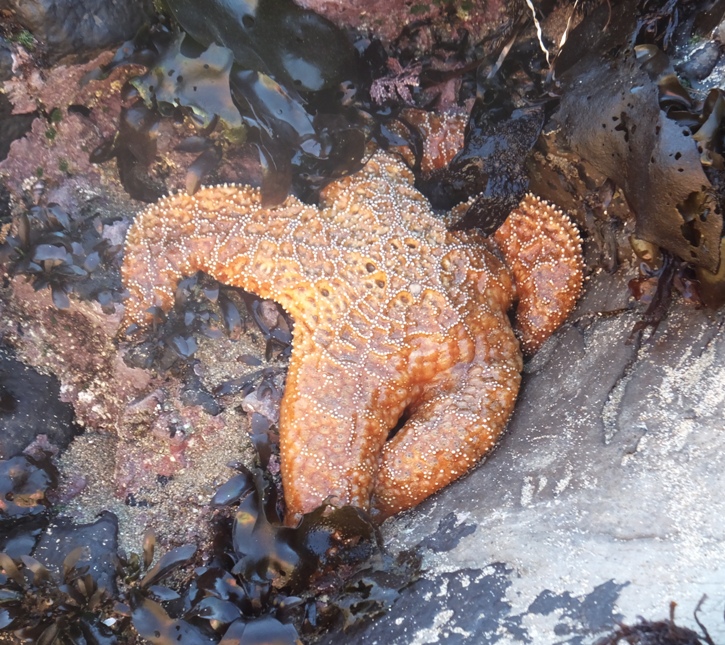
{"type": "Point", "coordinates": [30, 405]}
{"type": "Point", "coordinates": [12, 126]}
{"type": "Point", "coordinates": [603, 502]}
{"type": "Point", "coordinates": [99, 538]}
{"type": "Point", "coordinates": [76, 27]}
{"type": "Point", "coordinates": [6, 61]}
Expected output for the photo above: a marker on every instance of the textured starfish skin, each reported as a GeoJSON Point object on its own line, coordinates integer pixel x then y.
{"type": "Point", "coordinates": [394, 316]}
{"type": "Point", "coordinates": [441, 137]}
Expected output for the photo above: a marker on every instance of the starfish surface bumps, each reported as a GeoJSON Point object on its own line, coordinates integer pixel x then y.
{"type": "Point", "coordinates": [396, 318]}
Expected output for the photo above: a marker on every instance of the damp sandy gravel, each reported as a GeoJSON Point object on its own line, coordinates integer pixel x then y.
{"type": "Point", "coordinates": [176, 509]}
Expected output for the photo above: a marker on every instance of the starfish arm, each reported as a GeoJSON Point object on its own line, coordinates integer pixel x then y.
{"type": "Point", "coordinates": [224, 231]}
{"type": "Point", "coordinates": [454, 424]}
{"type": "Point", "coordinates": [542, 248]}
{"type": "Point", "coordinates": [336, 412]}
{"type": "Point", "coordinates": [153, 263]}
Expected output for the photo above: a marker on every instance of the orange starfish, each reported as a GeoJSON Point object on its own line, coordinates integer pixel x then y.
{"type": "Point", "coordinates": [395, 318]}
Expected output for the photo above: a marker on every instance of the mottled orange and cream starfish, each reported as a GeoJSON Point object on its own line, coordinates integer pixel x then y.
{"type": "Point", "coordinates": [395, 318]}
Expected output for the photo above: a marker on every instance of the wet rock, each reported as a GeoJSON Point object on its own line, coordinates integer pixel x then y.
{"type": "Point", "coordinates": [471, 605]}
{"type": "Point", "coordinates": [6, 61]}
{"type": "Point", "coordinates": [490, 166]}
{"type": "Point", "coordinates": [19, 540]}
{"type": "Point", "coordinates": [75, 28]}
{"type": "Point", "coordinates": [24, 484]}
{"type": "Point", "coordinates": [12, 126]}
{"type": "Point", "coordinates": [701, 62]}
{"type": "Point", "coordinates": [77, 346]}
{"type": "Point", "coordinates": [59, 134]}
{"type": "Point", "coordinates": [100, 539]}
{"type": "Point", "coordinates": [602, 503]}
{"type": "Point", "coordinates": [386, 17]}
{"type": "Point", "coordinates": [486, 590]}
{"type": "Point", "coordinates": [30, 405]}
